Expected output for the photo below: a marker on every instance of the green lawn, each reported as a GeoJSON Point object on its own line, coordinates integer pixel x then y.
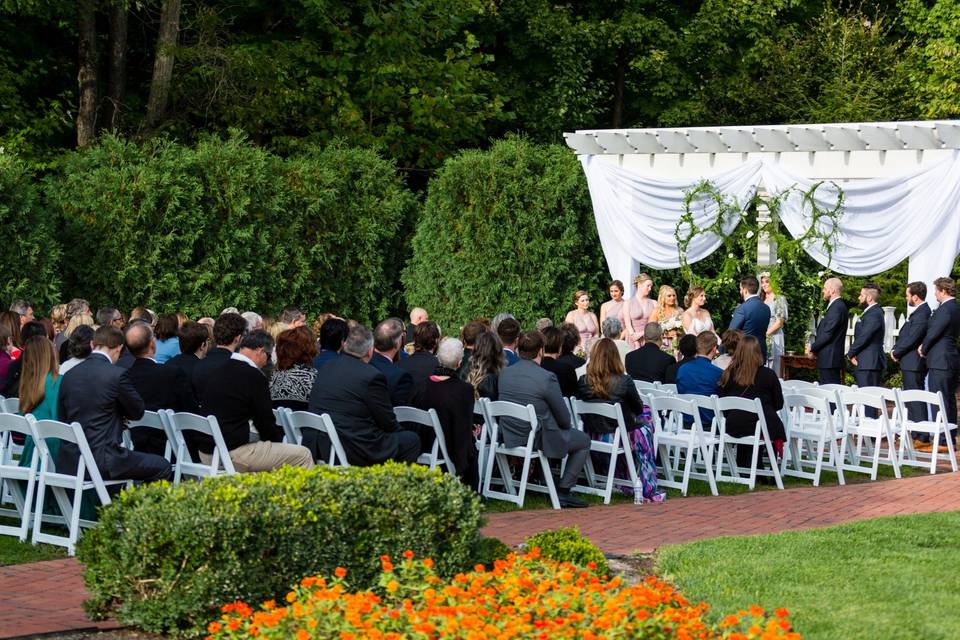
{"type": "Point", "coordinates": [15, 552]}
{"type": "Point", "coordinates": [883, 579]}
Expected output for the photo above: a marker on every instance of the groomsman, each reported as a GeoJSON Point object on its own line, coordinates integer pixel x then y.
{"type": "Point", "coordinates": [912, 366]}
{"type": "Point", "coordinates": [752, 317]}
{"type": "Point", "coordinates": [866, 351]}
{"type": "Point", "coordinates": [831, 334]}
{"type": "Point", "coordinates": [940, 346]}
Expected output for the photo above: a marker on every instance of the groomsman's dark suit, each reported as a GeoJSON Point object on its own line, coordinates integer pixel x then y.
{"type": "Point", "coordinates": [940, 350]}
{"type": "Point", "coordinates": [913, 368]}
{"type": "Point", "coordinates": [828, 344]}
{"type": "Point", "coordinates": [161, 386]}
{"type": "Point", "coordinates": [867, 348]}
{"type": "Point", "coordinates": [753, 318]}
{"type": "Point", "coordinates": [648, 363]}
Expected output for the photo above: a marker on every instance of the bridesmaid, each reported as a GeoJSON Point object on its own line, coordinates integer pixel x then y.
{"type": "Point", "coordinates": [667, 312]}
{"type": "Point", "coordinates": [778, 318]}
{"type": "Point", "coordinates": [613, 307]}
{"type": "Point", "coordinates": [584, 319]}
{"type": "Point", "coordinates": [636, 313]}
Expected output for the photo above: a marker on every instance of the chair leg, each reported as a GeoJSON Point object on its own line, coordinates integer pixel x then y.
{"type": "Point", "coordinates": [754, 460]}
{"type": "Point", "coordinates": [950, 452]}
{"type": "Point", "coordinates": [687, 468]}
{"type": "Point", "coordinates": [935, 451]}
{"type": "Point", "coordinates": [772, 456]}
{"type": "Point", "coordinates": [710, 479]}
{"type": "Point", "coordinates": [891, 451]}
{"type": "Point", "coordinates": [548, 479]}
{"type": "Point", "coordinates": [523, 476]}
{"type": "Point", "coordinates": [611, 470]}
{"type": "Point", "coordinates": [488, 471]}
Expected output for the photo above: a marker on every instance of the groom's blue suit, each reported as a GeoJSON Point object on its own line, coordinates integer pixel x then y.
{"type": "Point", "coordinates": [753, 317]}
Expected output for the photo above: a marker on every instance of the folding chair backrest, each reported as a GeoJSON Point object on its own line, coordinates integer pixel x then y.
{"type": "Point", "coordinates": [300, 420]}
{"type": "Point", "coordinates": [280, 417]}
{"type": "Point", "coordinates": [10, 405]}
{"type": "Point", "coordinates": [736, 403]}
{"type": "Point", "coordinates": [801, 402]}
{"type": "Point", "coordinates": [73, 432]}
{"type": "Point", "coordinates": [11, 423]}
{"type": "Point", "coordinates": [153, 420]}
{"type": "Point", "coordinates": [829, 395]}
{"type": "Point", "coordinates": [643, 385]}
{"type": "Point", "coordinates": [427, 418]}
{"type": "Point", "coordinates": [183, 421]}
{"type": "Point", "coordinates": [931, 400]}
{"type": "Point", "coordinates": [668, 387]}
{"type": "Point", "coordinates": [889, 396]}
{"type": "Point", "coordinates": [839, 388]}
{"type": "Point", "coordinates": [669, 413]}
{"type": "Point", "coordinates": [864, 400]}
{"type": "Point", "coordinates": [797, 385]}
{"type": "Point", "coordinates": [497, 409]}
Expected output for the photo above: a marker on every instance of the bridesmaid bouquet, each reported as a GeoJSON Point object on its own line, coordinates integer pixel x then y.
{"type": "Point", "coordinates": [673, 324]}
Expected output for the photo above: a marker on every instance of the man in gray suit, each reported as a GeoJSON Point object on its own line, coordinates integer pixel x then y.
{"type": "Point", "coordinates": [527, 383]}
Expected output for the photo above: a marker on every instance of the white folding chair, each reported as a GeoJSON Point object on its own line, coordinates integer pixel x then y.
{"type": "Point", "coordinates": [693, 445]}
{"type": "Point", "coordinates": [619, 445]}
{"type": "Point", "coordinates": [151, 420]}
{"type": "Point", "coordinates": [280, 416]}
{"type": "Point", "coordinates": [669, 387]}
{"type": "Point", "coordinates": [438, 452]}
{"type": "Point", "coordinates": [87, 476]}
{"type": "Point", "coordinates": [10, 405]}
{"type": "Point", "coordinates": [936, 428]}
{"type": "Point", "coordinates": [499, 453]}
{"type": "Point", "coordinates": [726, 454]}
{"type": "Point", "coordinates": [796, 386]}
{"type": "Point", "coordinates": [12, 475]}
{"type": "Point", "coordinates": [220, 462]}
{"type": "Point", "coordinates": [483, 440]}
{"type": "Point", "coordinates": [812, 437]}
{"type": "Point", "coordinates": [643, 385]}
{"type": "Point", "coordinates": [871, 431]}
{"type": "Point", "coordinates": [300, 420]}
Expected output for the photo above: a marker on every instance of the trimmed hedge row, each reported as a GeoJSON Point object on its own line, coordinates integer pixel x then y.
{"type": "Point", "coordinates": [164, 558]}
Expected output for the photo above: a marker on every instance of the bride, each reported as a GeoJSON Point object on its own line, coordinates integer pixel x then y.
{"type": "Point", "coordinates": [696, 319]}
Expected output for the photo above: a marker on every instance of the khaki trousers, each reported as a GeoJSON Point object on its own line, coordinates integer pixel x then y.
{"type": "Point", "coordinates": [266, 456]}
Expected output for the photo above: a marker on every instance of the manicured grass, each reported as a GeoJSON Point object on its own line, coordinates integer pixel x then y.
{"type": "Point", "coordinates": [883, 579]}
{"type": "Point", "coordinates": [13, 551]}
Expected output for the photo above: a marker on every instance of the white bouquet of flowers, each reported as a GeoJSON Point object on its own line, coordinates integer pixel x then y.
{"type": "Point", "coordinates": [672, 324]}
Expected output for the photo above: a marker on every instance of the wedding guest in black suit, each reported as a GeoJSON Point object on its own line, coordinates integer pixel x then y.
{"type": "Point", "coordinates": [687, 346]}
{"type": "Point", "coordinates": [356, 397]}
{"type": "Point", "coordinates": [332, 334]}
{"type": "Point", "coordinates": [571, 338]}
{"type": "Point", "coordinates": [831, 335]}
{"type": "Point", "coordinates": [422, 362]}
{"type": "Point", "coordinates": [566, 374]}
{"type": "Point", "coordinates": [292, 379]}
{"type": "Point", "coordinates": [913, 368]}
{"type": "Point", "coordinates": [746, 377]}
{"type": "Point", "coordinates": [940, 347]}
{"type": "Point", "coordinates": [194, 341]}
{"type": "Point", "coordinates": [649, 363]}
{"type": "Point", "coordinates": [100, 397]}
{"type": "Point", "coordinates": [228, 330]}
{"type": "Point", "coordinates": [238, 394]}
{"type": "Point", "coordinates": [452, 398]}
{"type": "Point", "coordinates": [866, 350]}
{"type": "Point", "coordinates": [387, 343]}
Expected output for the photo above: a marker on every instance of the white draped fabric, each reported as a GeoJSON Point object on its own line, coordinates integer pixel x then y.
{"type": "Point", "coordinates": [915, 215]}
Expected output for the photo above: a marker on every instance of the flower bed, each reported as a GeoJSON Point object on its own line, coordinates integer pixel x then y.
{"type": "Point", "coordinates": [521, 597]}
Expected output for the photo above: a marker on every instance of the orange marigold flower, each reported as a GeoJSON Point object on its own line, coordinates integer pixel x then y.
{"type": "Point", "coordinates": [756, 610]}
{"type": "Point", "coordinates": [754, 630]}
{"type": "Point", "coordinates": [270, 604]}
{"type": "Point", "coordinates": [392, 586]}
{"type": "Point", "coordinates": [428, 563]}
{"type": "Point", "coordinates": [302, 634]}
{"type": "Point", "coordinates": [340, 572]}
{"type": "Point", "coordinates": [234, 624]}
{"type": "Point", "coordinates": [291, 596]}
{"type": "Point", "coordinates": [781, 612]}
{"type": "Point", "coordinates": [214, 627]}
{"type": "Point", "coordinates": [785, 625]}
{"type": "Point", "coordinates": [479, 568]}
{"type": "Point", "coordinates": [408, 554]}
{"type": "Point", "coordinates": [591, 565]}
{"type": "Point", "coordinates": [387, 565]}
{"type": "Point", "coordinates": [729, 621]}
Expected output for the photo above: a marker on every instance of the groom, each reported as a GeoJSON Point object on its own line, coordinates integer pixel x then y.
{"type": "Point", "coordinates": [753, 316]}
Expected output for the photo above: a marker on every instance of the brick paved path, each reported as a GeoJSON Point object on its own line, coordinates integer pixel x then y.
{"type": "Point", "coordinates": [46, 597]}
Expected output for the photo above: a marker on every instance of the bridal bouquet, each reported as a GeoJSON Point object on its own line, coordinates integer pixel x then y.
{"type": "Point", "coordinates": [672, 324]}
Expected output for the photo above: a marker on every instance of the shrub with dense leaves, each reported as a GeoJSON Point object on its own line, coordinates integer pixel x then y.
{"type": "Point", "coordinates": [521, 597]}
{"type": "Point", "coordinates": [226, 223]}
{"type": "Point", "coordinates": [506, 229]}
{"type": "Point", "coordinates": [29, 261]}
{"type": "Point", "coordinates": [164, 557]}
{"type": "Point", "coordinates": [567, 545]}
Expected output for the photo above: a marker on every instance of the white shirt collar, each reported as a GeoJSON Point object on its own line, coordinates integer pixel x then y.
{"type": "Point", "coordinates": [242, 358]}
{"type": "Point", "coordinates": [752, 295]}
{"type": "Point", "coordinates": [101, 354]}
{"type": "Point", "coordinates": [870, 306]}
{"type": "Point", "coordinates": [832, 301]}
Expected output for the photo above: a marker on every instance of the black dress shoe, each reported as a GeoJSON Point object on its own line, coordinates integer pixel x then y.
{"type": "Point", "coordinates": [569, 501]}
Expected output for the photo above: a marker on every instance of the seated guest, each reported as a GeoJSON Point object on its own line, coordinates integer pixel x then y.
{"type": "Point", "coordinates": [29, 330]}
{"type": "Point", "coordinates": [193, 340]}
{"type": "Point", "coordinates": [355, 396]}
{"type": "Point", "coordinates": [332, 334]}
{"type": "Point", "coordinates": [79, 345]}
{"type": "Point", "coordinates": [687, 349]}
{"type": "Point", "coordinates": [566, 374]}
{"type": "Point", "coordinates": [747, 377]}
{"type": "Point", "coordinates": [729, 340]}
{"type": "Point", "coordinates": [528, 383]}
{"type": "Point", "coordinates": [11, 320]}
{"type": "Point", "coordinates": [605, 381]}
{"type": "Point", "coordinates": [387, 344]}
{"type": "Point", "coordinates": [6, 346]}
{"type": "Point", "coordinates": [650, 363]}
{"type": "Point", "coordinates": [293, 317]}
{"type": "Point", "coordinates": [452, 398]}
{"type": "Point", "coordinates": [100, 397]}
{"type": "Point", "coordinates": [543, 323]}
{"type": "Point", "coordinates": [109, 316]}
{"type": "Point", "coordinates": [611, 328]}
{"type": "Point", "coordinates": [254, 320]}
{"type": "Point", "coordinates": [571, 338]}
{"type": "Point", "coordinates": [417, 315]}
{"type": "Point", "coordinates": [228, 330]}
{"type": "Point", "coordinates": [168, 342]}
{"type": "Point", "coordinates": [700, 377]}
{"type": "Point", "coordinates": [75, 321]}
{"type": "Point", "coordinates": [469, 336]}
{"type": "Point", "coordinates": [509, 332]}
{"type": "Point", "coordinates": [293, 377]}
{"type": "Point", "coordinates": [486, 363]}
{"type": "Point", "coordinates": [238, 394]}
{"type": "Point", "coordinates": [422, 362]}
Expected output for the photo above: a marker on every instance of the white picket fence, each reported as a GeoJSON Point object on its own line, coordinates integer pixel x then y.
{"type": "Point", "coordinates": [891, 323]}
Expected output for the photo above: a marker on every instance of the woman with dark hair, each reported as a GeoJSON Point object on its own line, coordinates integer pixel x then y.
{"type": "Point", "coordinates": [747, 377]}
{"type": "Point", "coordinates": [613, 307]}
{"type": "Point", "coordinates": [79, 346]}
{"type": "Point", "coordinates": [168, 342]}
{"type": "Point", "coordinates": [486, 363]}
{"type": "Point", "coordinates": [11, 320]}
{"type": "Point", "coordinates": [6, 346]}
{"type": "Point", "coordinates": [293, 377]}
{"type": "Point", "coordinates": [571, 339]}
{"type": "Point", "coordinates": [605, 381]}
{"type": "Point", "coordinates": [730, 340]}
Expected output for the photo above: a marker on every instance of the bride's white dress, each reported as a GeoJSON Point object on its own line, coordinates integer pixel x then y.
{"type": "Point", "coordinates": [698, 326]}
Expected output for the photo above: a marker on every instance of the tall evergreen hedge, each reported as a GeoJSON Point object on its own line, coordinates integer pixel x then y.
{"type": "Point", "coordinates": [507, 229]}
{"type": "Point", "coordinates": [225, 223]}
{"type": "Point", "coordinates": [29, 259]}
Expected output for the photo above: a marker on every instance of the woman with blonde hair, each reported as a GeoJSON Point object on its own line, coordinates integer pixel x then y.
{"type": "Point", "coordinates": [72, 324]}
{"type": "Point", "coordinates": [668, 312]}
{"type": "Point", "coordinates": [585, 320]}
{"type": "Point", "coordinates": [696, 319]}
{"type": "Point", "coordinates": [58, 316]}
{"type": "Point", "coordinates": [635, 314]}
{"type": "Point", "coordinates": [605, 381]}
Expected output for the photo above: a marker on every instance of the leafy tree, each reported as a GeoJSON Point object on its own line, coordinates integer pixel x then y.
{"type": "Point", "coordinates": [935, 69]}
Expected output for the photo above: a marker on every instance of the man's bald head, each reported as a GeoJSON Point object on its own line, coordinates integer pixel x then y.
{"type": "Point", "coordinates": [139, 339]}
{"type": "Point", "coordinates": [833, 287]}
